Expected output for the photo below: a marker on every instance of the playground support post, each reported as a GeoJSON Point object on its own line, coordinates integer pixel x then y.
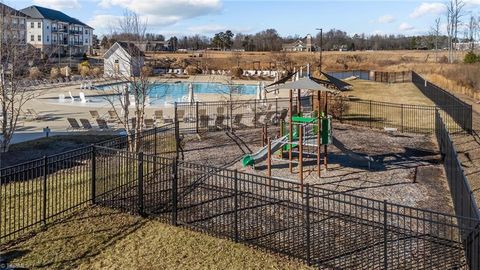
{"type": "Point", "coordinates": [269, 161]}
{"type": "Point", "coordinates": [299, 101]}
{"type": "Point", "coordinates": [290, 134]}
{"type": "Point", "coordinates": [325, 150]}
{"type": "Point", "coordinates": [319, 142]}
{"type": "Point", "coordinates": [300, 154]}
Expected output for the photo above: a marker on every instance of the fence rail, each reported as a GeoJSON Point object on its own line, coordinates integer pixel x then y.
{"type": "Point", "coordinates": [462, 195]}
{"type": "Point", "coordinates": [38, 192]}
{"type": "Point", "coordinates": [322, 227]}
{"type": "Point", "coordinates": [201, 117]}
{"type": "Point", "coordinates": [457, 109]}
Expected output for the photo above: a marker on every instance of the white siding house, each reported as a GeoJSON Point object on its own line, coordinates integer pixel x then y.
{"type": "Point", "coordinates": [54, 32]}
{"type": "Point", "coordinates": [123, 59]}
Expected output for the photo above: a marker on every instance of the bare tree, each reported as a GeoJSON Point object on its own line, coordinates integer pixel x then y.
{"type": "Point", "coordinates": [454, 15]}
{"type": "Point", "coordinates": [132, 96]}
{"type": "Point", "coordinates": [435, 31]}
{"type": "Point", "coordinates": [16, 58]}
{"type": "Point", "coordinates": [472, 30]}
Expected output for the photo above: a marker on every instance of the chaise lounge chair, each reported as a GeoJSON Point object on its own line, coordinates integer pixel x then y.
{"type": "Point", "coordinates": [73, 124]}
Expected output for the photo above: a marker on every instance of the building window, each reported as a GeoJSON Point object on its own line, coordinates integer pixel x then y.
{"type": "Point", "coordinates": [39, 38]}
{"type": "Point", "coordinates": [32, 25]}
{"type": "Point", "coordinates": [48, 27]}
{"type": "Point", "coordinates": [32, 38]}
{"type": "Point", "coordinates": [86, 31]}
{"type": "Point", "coordinates": [39, 24]}
{"type": "Point", "coordinates": [48, 38]}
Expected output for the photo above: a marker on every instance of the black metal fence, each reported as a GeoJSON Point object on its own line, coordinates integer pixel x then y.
{"type": "Point", "coordinates": [322, 227]}
{"type": "Point", "coordinates": [462, 195]}
{"type": "Point", "coordinates": [201, 117]}
{"type": "Point", "coordinates": [38, 192]}
{"type": "Point", "coordinates": [457, 109]}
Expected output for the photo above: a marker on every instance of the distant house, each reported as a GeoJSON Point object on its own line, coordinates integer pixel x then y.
{"type": "Point", "coordinates": [123, 59]}
{"type": "Point", "coordinates": [305, 45]}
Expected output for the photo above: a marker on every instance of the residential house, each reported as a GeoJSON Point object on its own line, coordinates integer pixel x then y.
{"type": "Point", "coordinates": [56, 33]}
{"type": "Point", "coordinates": [301, 45]}
{"type": "Point", "coordinates": [123, 59]}
{"type": "Point", "coordinates": [12, 25]}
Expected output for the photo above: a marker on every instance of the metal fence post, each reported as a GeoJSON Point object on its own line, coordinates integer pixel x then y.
{"type": "Point", "coordinates": [94, 174]}
{"type": "Point", "coordinates": [370, 110]}
{"type": "Point", "coordinates": [401, 106]}
{"type": "Point", "coordinates": [306, 205]}
{"type": "Point", "coordinates": [196, 117]}
{"type": "Point", "coordinates": [235, 175]}
{"type": "Point", "coordinates": [177, 133]}
{"type": "Point", "coordinates": [254, 113]}
{"type": "Point", "coordinates": [175, 192]}
{"type": "Point", "coordinates": [140, 183]}
{"type": "Point", "coordinates": [385, 236]}
{"type": "Point", "coordinates": [45, 178]}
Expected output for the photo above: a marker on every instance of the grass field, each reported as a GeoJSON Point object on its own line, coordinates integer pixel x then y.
{"type": "Point", "coordinates": [400, 93]}
{"type": "Point", "coordinates": [99, 238]}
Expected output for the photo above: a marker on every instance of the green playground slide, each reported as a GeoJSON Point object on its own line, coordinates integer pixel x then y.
{"type": "Point", "coordinates": [261, 155]}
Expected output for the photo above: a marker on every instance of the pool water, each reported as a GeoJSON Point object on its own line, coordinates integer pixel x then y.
{"type": "Point", "coordinates": [178, 92]}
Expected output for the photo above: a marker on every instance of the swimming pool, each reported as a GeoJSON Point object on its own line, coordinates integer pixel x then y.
{"type": "Point", "coordinates": [178, 92]}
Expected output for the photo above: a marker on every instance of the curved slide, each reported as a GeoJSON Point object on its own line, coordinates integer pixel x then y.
{"type": "Point", "coordinates": [350, 153]}
{"type": "Point", "coordinates": [261, 155]}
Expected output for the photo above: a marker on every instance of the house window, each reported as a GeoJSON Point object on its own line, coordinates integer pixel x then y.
{"type": "Point", "coordinates": [86, 31]}
{"type": "Point", "coordinates": [32, 25]}
{"type": "Point", "coordinates": [39, 38]}
{"type": "Point", "coordinates": [39, 24]}
{"type": "Point", "coordinates": [116, 61]}
{"type": "Point", "coordinates": [32, 38]}
{"type": "Point", "coordinates": [48, 38]}
{"type": "Point", "coordinates": [48, 27]}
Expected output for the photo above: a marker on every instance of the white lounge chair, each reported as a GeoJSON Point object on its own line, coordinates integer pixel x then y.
{"type": "Point", "coordinates": [71, 96]}
{"type": "Point", "coordinates": [82, 98]}
{"type": "Point", "coordinates": [61, 98]}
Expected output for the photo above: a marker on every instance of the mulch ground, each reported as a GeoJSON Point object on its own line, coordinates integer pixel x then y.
{"type": "Point", "coordinates": [406, 170]}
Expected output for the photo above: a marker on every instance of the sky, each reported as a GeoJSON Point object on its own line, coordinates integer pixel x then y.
{"type": "Point", "coordinates": [288, 17]}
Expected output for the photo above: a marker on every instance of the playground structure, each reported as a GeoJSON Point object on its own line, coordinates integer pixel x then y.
{"type": "Point", "coordinates": [307, 130]}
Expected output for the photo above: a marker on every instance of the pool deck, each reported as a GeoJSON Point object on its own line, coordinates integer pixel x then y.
{"type": "Point", "coordinates": [47, 104]}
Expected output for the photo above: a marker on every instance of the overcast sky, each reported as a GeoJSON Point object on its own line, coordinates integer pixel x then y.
{"type": "Point", "coordinates": [206, 17]}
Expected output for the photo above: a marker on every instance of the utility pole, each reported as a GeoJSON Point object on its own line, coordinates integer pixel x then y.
{"type": "Point", "coordinates": [321, 47]}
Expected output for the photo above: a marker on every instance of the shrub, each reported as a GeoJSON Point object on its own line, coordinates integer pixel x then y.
{"type": "Point", "coordinates": [96, 71]}
{"type": "Point", "coordinates": [34, 73]}
{"type": "Point", "coordinates": [55, 73]}
{"type": "Point", "coordinates": [66, 70]}
{"type": "Point", "coordinates": [84, 71]}
{"type": "Point", "coordinates": [470, 58]}
{"type": "Point", "coordinates": [193, 70]}
{"type": "Point", "coordinates": [237, 72]}
{"type": "Point", "coordinates": [147, 71]}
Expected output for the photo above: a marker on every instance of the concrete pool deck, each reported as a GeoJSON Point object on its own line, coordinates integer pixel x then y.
{"type": "Point", "coordinates": [56, 113]}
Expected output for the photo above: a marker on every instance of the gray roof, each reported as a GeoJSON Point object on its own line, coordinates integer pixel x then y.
{"type": "Point", "coordinates": [11, 11]}
{"type": "Point", "coordinates": [129, 48]}
{"type": "Point", "coordinates": [303, 83]}
{"type": "Point", "coordinates": [37, 12]}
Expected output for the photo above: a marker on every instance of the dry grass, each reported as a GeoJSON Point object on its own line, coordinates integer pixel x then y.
{"type": "Point", "coordinates": [100, 238]}
{"type": "Point", "coordinates": [400, 93]}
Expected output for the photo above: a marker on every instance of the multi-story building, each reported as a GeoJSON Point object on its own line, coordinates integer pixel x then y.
{"type": "Point", "coordinates": [12, 25]}
{"type": "Point", "coordinates": [56, 33]}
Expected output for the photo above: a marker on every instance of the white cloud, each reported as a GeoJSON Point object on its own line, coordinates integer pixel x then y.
{"type": "Point", "coordinates": [405, 27]}
{"type": "Point", "coordinates": [183, 9]}
{"type": "Point", "coordinates": [58, 4]}
{"type": "Point", "coordinates": [207, 29]}
{"type": "Point", "coordinates": [427, 9]}
{"type": "Point", "coordinates": [385, 19]}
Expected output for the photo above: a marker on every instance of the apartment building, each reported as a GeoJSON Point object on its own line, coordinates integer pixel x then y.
{"type": "Point", "coordinates": [12, 25]}
{"type": "Point", "coordinates": [56, 33]}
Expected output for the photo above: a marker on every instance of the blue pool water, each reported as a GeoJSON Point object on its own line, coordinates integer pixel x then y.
{"type": "Point", "coordinates": [178, 92]}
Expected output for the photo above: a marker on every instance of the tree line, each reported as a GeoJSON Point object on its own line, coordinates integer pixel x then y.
{"type": "Point", "coordinates": [271, 40]}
